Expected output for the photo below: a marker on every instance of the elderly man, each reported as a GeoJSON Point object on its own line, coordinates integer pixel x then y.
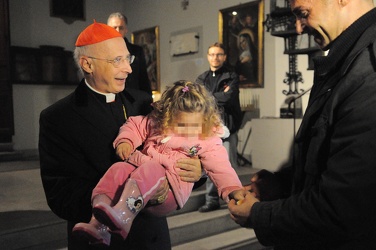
{"type": "Point", "coordinates": [331, 201]}
{"type": "Point", "coordinates": [76, 135]}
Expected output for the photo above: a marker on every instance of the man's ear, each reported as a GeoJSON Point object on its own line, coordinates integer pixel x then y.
{"type": "Point", "coordinates": [86, 65]}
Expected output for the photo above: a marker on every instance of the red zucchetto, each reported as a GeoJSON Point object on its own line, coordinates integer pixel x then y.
{"type": "Point", "coordinates": [95, 33]}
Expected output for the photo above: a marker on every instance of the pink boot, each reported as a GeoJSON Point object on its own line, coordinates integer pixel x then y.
{"type": "Point", "coordinates": [94, 232]}
{"type": "Point", "coordinates": [119, 218]}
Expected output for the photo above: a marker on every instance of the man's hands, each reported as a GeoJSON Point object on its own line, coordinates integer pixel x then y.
{"type": "Point", "coordinates": [190, 169]}
{"type": "Point", "coordinates": [240, 211]}
{"type": "Point", "coordinates": [226, 88]}
{"type": "Point", "coordinates": [264, 186]}
{"type": "Point", "coordinates": [124, 150]}
{"type": "Point", "coordinates": [161, 195]}
{"type": "Point", "coordinates": [239, 194]}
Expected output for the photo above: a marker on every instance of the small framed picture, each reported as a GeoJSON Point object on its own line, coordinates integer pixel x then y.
{"type": "Point", "coordinates": [148, 39]}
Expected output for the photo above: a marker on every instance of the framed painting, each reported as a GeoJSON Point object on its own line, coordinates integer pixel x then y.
{"type": "Point", "coordinates": [148, 39]}
{"type": "Point", "coordinates": [50, 65]}
{"type": "Point", "coordinates": [241, 32]}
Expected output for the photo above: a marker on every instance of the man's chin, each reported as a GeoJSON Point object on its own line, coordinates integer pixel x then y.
{"type": "Point", "coordinates": [120, 89]}
{"type": "Point", "coordinates": [319, 43]}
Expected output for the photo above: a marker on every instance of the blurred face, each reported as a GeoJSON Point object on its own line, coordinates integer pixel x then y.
{"type": "Point", "coordinates": [119, 25]}
{"type": "Point", "coordinates": [320, 18]}
{"type": "Point", "coordinates": [189, 125]}
{"type": "Point", "coordinates": [248, 20]}
{"type": "Point", "coordinates": [216, 58]}
{"type": "Point", "coordinates": [104, 76]}
{"type": "Point", "coordinates": [243, 42]}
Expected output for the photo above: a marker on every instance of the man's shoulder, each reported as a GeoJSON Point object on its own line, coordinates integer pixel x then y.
{"type": "Point", "coordinates": [202, 76]}
{"type": "Point", "coordinates": [133, 48]}
{"type": "Point", "coordinates": [229, 70]}
{"type": "Point", "coordinates": [67, 102]}
{"type": "Point", "coordinates": [229, 74]}
{"type": "Point", "coordinates": [139, 100]}
{"type": "Point", "coordinates": [137, 94]}
{"type": "Point", "coordinates": [59, 105]}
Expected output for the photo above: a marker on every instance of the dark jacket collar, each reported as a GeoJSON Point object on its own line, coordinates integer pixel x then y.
{"type": "Point", "coordinates": [218, 71]}
{"type": "Point", "coordinates": [224, 73]}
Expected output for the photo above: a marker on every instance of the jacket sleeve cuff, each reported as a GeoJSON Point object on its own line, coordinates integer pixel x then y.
{"type": "Point", "coordinates": [260, 221]}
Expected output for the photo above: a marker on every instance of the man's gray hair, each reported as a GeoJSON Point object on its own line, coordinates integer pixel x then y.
{"type": "Point", "coordinates": [78, 52]}
{"type": "Point", "coordinates": [118, 15]}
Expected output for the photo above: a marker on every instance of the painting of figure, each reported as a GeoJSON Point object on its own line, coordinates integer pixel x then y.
{"type": "Point", "coordinates": [241, 31]}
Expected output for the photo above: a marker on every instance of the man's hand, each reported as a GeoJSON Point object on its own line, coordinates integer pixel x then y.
{"type": "Point", "coordinates": [190, 169]}
{"type": "Point", "coordinates": [265, 186]}
{"type": "Point", "coordinates": [124, 150]}
{"type": "Point", "coordinates": [240, 211]}
{"type": "Point", "coordinates": [161, 195]}
{"type": "Point", "coordinates": [226, 88]}
{"type": "Point", "coordinates": [252, 187]}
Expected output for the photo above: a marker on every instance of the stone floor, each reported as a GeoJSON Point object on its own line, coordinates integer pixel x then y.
{"type": "Point", "coordinates": [22, 197]}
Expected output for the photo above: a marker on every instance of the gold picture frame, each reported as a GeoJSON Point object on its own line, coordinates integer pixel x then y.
{"type": "Point", "coordinates": [241, 31]}
{"type": "Point", "coordinates": [148, 39]}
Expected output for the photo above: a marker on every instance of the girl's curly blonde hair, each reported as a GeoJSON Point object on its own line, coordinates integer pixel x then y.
{"type": "Point", "coordinates": [189, 97]}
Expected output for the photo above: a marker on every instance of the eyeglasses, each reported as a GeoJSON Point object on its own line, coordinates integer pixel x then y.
{"type": "Point", "coordinates": [117, 61]}
{"type": "Point", "coordinates": [215, 55]}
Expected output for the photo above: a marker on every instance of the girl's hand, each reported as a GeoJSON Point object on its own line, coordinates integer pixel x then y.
{"type": "Point", "coordinates": [238, 195]}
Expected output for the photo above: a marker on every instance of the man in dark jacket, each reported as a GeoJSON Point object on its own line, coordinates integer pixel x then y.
{"type": "Point", "coordinates": [331, 202]}
{"type": "Point", "coordinates": [223, 83]}
{"type": "Point", "coordinates": [76, 135]}
{"type": "Point", "coordinates": [139, 78]}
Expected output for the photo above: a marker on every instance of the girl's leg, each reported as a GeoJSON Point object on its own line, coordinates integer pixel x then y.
{"type": "Point", "coordinates": [94, 231]}
{"type": "Point", "coordinates": [113, 180]}
{"type": "Point", "coordinates": [165, 208]}
{"type": "Point", "coordinates": [138, 190]}
{"type": "Point", "coordinates": [155, 174]}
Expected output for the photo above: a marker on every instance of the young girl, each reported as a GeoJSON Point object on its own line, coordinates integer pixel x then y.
{"type": "Point", "coordinates": [184, 123]}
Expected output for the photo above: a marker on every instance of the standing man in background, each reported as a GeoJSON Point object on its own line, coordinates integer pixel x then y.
{"type": "Point", "coordinates": [224, 85]}
{"type": "Point", "coordinates": [139, 78]}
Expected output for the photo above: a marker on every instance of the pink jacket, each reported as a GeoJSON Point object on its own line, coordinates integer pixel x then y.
{"type": "Point", "coordinates": [167, 150]}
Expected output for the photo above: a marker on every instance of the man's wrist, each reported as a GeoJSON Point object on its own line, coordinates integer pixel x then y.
{"type": "Point", "coordinates": [249, 222]}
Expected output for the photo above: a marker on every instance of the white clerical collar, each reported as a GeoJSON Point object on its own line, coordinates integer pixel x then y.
{"type": "Point", "coordinates": [110, 97]}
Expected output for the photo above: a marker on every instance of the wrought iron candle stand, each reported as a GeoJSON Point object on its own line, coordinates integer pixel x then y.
{"type": "Point", "coordinates": [281, 23]}
{"type": "Point", "coordinates": [294, 77]}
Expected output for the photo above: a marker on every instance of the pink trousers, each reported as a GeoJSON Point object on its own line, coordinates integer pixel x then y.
{"type": "Point", "coordinates": [148, 176]}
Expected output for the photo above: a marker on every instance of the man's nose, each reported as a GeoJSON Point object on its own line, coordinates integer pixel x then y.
{"type": "Point", "coordinates": [126, 66]}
